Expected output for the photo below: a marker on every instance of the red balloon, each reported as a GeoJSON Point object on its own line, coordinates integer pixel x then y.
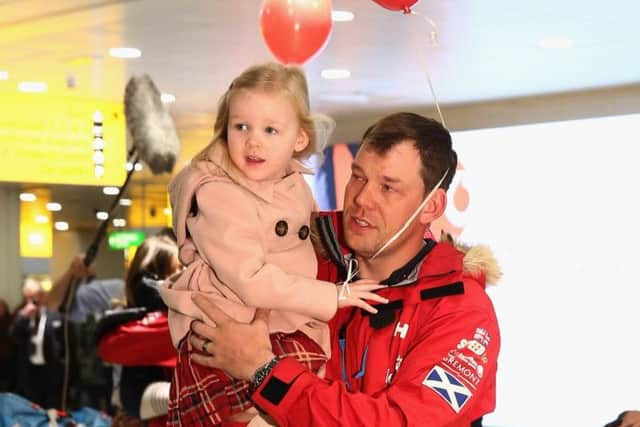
{"type": "Point", "coordinates": [295, 30]}
{"type": "Point", "coordinates": [403, 5]}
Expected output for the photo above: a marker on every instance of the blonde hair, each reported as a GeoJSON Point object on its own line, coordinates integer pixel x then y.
{"type": "Point", "coordinates": [269, 77]}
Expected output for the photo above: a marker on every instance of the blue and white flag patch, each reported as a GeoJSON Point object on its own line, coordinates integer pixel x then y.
{"type": "Point", "coordinates": [452, 390]}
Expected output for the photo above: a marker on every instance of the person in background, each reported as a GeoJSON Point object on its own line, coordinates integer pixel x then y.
{"type": "Point", "coordinates": [92, 295]}
{"type": "Point", "coordinates": [7, 360]}
{"type": "Point", "coordinates": [167, 232]}
{"type": "Point", "coordinates": [88, 381]}
{"type": "Point", "coordinates": [36, 333]}
{"type": "Point", "coordinates": [138, 337]}
{"type": "Point", "coordinates": [429, 356]}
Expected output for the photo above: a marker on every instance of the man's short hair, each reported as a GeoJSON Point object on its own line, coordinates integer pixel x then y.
{"type": "Point", "coordinates": [431, 139]}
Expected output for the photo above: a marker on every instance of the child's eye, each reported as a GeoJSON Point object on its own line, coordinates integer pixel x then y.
{"type": "Point", "coordinates": [241, 126]}
{"type": "Point", "coordinates": [271, 130]}
{"type": "Point", "coordinates": [356, 177]}
{"type": "Point", "coordinates": [387, 188]}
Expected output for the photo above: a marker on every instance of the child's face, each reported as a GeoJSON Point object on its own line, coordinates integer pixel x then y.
{"type": "Point", "coordinates": [263, 133]}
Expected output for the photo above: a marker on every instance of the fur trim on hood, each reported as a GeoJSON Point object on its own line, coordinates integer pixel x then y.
{"type": "Point", "coordinates": [478, 260]}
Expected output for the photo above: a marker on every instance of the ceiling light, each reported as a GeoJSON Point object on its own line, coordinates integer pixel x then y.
{"type": "Point", "coordinates": [125, 52]}
{"type": "Point", "coordinates": [54, 207]}
{"type": "Point", "coordinates": [61, 225]}
{"type": "Point", "coordinates": [335, 73]}
{"type": "Point", "coordinates": [111, 191]}
{"type": "Point", "coordinates": [342, 16]}
{"type": "Point", "coordinates": [32, 87]}
{"type": "Point", "coordinates": [119, 222]}
{"type": "Point", "coordinates": [555, 42]}
{"type": "Point", "coordinates": [4, 75]}
{"type": "Point", "coordinates": [167, 98]}
{"type": "Point", "coordinates": [42, 219]}
{"type": "Point", "coordinates": [125, 202]}
{"type": "Point", "coordinates": [27, 197]}
{"type": "Point", "coordinates": [102, 215]}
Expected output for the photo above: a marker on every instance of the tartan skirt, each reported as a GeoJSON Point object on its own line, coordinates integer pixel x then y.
{"type": "Point", "coordinates": [203, 396]}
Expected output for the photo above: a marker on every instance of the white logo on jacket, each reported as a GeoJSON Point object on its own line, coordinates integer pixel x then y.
{"type": "Point", "coordinates": [401, 330]}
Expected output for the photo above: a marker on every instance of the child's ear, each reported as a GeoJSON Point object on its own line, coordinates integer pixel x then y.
{"type": "Point", "coordinates": [302, 141]}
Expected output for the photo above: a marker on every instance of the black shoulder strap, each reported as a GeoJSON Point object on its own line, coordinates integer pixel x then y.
{"type": "Point", "coordinates": [386, 314]}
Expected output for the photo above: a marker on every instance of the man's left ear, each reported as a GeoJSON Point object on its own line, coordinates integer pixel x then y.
{"type": "Point", "coordinates": [435, 207]}
{"type": "Point", "coordinates": [302, 141]}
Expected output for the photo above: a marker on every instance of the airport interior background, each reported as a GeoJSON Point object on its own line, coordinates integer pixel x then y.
{"type": "Point", "coordinates": [542, 99]}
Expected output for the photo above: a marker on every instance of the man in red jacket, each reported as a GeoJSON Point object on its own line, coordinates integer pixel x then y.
{"type": "Point", "coordinates": [429, 356]}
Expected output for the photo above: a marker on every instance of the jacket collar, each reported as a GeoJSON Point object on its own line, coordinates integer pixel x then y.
{"type": "Point", "coordinates": [409, 271]}
{"type": "Point", "coordinates": [443, 258]}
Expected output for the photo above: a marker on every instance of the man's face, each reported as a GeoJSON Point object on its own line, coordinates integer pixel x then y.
{"type": "Point", "coordinates": [382, 193]}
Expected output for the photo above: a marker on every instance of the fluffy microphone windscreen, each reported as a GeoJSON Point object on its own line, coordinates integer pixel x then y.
{"type": "Point", "coordinates": [150, 125]}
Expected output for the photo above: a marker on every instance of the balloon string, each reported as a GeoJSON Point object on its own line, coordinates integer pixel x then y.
{"type": "Point", "coordinates": [352, 271]}
{"type": "Point", "coordinates": [433, 36]}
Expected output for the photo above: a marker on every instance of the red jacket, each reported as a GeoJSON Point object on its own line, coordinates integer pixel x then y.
{"type": "Point", "coordinates": [144, 342]}
{"type": "Point", "coordinates": [429, 358]}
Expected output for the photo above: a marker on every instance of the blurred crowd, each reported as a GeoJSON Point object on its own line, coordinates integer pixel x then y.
{"type": "Point", "coordinates": [70, 347]}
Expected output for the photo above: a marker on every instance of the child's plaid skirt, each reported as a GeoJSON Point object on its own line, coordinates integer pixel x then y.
{"type": "Point", "coordinates": [202, 396]}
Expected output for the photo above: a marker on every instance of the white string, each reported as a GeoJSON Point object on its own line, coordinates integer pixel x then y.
{"type": "Point", "coordinates": [352, 271]}
{"type": "Point", "coordinates": [413, 216]}
{"type": "Point", "coordinates": [433, 35]}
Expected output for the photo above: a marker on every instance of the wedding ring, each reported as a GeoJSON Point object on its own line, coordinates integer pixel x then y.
{"type": "Point", "coordinates": [205, 342]}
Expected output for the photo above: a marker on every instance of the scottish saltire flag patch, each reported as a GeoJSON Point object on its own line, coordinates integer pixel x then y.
{"type": "Point", "coordinates": [448, 387]}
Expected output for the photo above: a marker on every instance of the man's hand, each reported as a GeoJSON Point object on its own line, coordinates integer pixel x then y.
{"type": "Point", "coordinates": [79, 270]}
{"type": "Point", "coordinates": [235, 347]}
{"type": "Point", "coordinates": [29, 310]}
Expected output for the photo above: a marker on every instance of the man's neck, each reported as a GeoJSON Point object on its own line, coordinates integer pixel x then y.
{"type": "Point", "coordinates": [368, 269]}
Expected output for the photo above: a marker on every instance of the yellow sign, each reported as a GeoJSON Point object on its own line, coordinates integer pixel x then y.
{"type": "Point", "coordinates": [36, 235]}
{"type": "Point", "coordinates": [61, 140]}
{"type": "Point", "coordinates": [150, 206]}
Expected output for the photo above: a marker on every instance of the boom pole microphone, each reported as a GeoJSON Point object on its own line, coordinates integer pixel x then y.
{"type": "Point", "coordinates": [154, 141]}
{"type": "Point", "coordinates": [151, 127]}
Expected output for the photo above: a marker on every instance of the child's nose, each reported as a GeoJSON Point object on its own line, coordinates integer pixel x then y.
{"type": "Point", "coordinates": [253, 139]}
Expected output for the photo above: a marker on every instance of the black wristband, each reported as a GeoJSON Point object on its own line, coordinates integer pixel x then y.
{"type": "Point", "coordinates": [262, 373]}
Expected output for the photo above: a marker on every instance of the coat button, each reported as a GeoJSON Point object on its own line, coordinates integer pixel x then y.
{"type": "Point", "coordinates": [282, 227]}
{"type": "Point", "coordinates": [303, 233]}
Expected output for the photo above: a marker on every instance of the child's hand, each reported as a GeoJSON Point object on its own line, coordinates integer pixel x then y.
{"type": "Point", "coordinates": [355, 294]}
